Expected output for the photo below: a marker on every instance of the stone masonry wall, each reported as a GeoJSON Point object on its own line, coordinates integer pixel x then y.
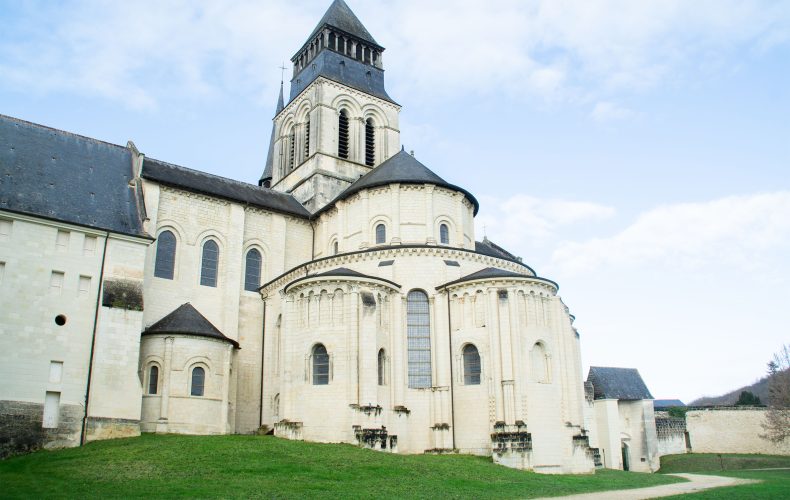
{"type": "Point", "coordinates": [21, 428]}
{"type": "Point", "coordinates": [730, 431]}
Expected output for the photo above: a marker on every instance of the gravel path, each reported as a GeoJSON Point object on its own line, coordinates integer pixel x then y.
{"type": "Point", "coordinates": [696, 482]}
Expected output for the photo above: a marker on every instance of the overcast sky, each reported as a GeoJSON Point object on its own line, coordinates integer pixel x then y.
{"type": "Point", "coordinates": [638, 153]}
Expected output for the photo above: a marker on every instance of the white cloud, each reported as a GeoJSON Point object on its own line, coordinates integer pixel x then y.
{"type": "Point", "coordinates": [523, 221]}
{"type": "Point", "coordinates": [605, 111]}
{"type": "Point", "coordinates": [141, 52]}
{"type": "Point", "coordinates": [734, 233]}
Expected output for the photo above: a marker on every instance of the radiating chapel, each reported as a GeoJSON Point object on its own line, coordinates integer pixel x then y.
{"type": "Point", "coordinates": [343, 299]}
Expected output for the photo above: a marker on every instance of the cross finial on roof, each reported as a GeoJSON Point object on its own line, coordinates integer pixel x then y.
{"type": "Point", "coordinates": [282, 72]}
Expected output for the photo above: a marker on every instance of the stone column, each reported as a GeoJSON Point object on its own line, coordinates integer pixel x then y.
{"type": "Point", "coordinates": [164, 410]}
{"type": "Point", "coordinates": [430, 238]}
{"type": "Point", "coordinates": [492, 323]}
{"type": "Point", "coordinates": [226, 389]}
{"type": "Point", "coordinates": [395, 201]}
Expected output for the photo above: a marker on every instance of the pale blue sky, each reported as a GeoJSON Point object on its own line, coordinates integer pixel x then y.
{"type": "Point", "coordinates": [636, 152]}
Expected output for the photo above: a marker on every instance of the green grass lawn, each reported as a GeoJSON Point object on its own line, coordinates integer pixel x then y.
{"type": "Point", "coordinates": [264, 466]}
{"type": "Point", "coordinates": [774, 483]}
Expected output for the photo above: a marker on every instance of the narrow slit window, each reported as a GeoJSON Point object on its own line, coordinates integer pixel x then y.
{"type": "Point", "coordinates": [320, 365]}
{"type": "Point", "coordinates": [209, 264]}
{"type": "Point", "coordinates": [165, 255]}
{"type": "Point", "coordinates": [471, 365]}
{"type": "Point", "coordinates": [342, 135]}
{"type": "Point", "coordinates": [153, 379]}
{"type": "Point", "coordinates": [307, 139]}
{"type": "Point", "coordinates": [198, 381]}
{"type": "Point", "coordinates": [382, 363]}
{"type": "Point", "coordinates": [252, 271]}
{"type": "Point", "coordinates": [381, 234]}
{"type": "Point", "coordinates": [292, 141]}
{"type": "Point", "coordinates": [370, 143]}
{"type": "Point", "coordinates": [335, 248]}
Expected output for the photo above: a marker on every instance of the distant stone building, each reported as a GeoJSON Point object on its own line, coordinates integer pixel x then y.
{"type": "Point", "coordinates": [344, 298]}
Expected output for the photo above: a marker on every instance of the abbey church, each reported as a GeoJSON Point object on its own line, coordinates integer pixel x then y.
{"type": "Point", "coordinates": [344, 298]}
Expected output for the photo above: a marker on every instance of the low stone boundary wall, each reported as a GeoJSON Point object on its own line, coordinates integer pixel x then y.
{"type": "Point", "coordinates": [730, 430]}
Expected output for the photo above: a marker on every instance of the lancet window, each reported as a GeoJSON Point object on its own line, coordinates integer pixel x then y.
{"type": "Point", "coordinates": [165, 255]}
{"type": "Point", "coordinates": [418, 333]}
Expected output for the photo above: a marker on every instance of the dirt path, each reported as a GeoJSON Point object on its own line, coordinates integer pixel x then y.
{"type": "Point", "coordinates": [696, 482]}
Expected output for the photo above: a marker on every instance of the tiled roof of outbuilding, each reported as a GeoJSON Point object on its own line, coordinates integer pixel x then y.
{"type": "Point", "coordinates": [667, 403]}
{"type": "Point", "coordinates": [617, 383]}
{"type": "Point", "coordinates": [66, 177]}
{"type": "Point", "coordinates": [401, 168]}
{"type": "Point", "coordinates": [214, 185]}
{"type": "Point", "coordinates": [186, 320]}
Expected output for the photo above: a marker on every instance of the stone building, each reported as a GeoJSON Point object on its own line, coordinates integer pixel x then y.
{"type": "Point", "coordinates": [345, 298]}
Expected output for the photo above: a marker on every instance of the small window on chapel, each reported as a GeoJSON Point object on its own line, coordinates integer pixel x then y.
{"type": "Point", "coordinates": [153, 379]}
{"type": "Point", "coordinates": [197, 386]}
{"type": "Point", "coordinates": [320, 365]}
{"type": "Point", "coordinates": [444, 234]}
{"type": "Point", "coordinates": [381, 234]}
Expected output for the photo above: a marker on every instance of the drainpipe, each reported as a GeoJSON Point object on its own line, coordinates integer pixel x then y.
{"type": "Point", "coordinates": [450, 343]}
{"type": "Point", "coordinates": [263, 344]}
{"type": "Point", "coordinates": [93, 341]}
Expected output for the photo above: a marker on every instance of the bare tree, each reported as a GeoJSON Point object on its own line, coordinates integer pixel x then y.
{"type": "Point", "coordinates": [777, 417]}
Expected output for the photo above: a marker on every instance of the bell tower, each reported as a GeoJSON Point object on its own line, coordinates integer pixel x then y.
{"type": "Point", "coordinates": [339, 122]}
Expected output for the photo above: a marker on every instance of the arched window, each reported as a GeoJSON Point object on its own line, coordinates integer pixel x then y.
{"type": "Point", "coordinates": [342, 134]}
{"type": "Point", "coordinates": [335, 248]}
{"type": "Point", "coordinates": [209, 263]}
{"type": "Point", "coordinates": [540, 365]}
{"type": "Point", "coordinates": [418, 332]}
{"type": "Point", "coordinates": [471, 365]}
{"type": "Point", "coordinates": [165, 255]}
{"type": "Point", "coordinates": [381, 234]}
{"type": "Point", "coordinates": [153, 379]}
{"type": "Point", "coordinates": [320, 365]}
{"type": "Point", "coordinates": [444, 234]}
{"type": "Point", "coordinates": [252, 271]}
{"type": "Point", "coordinates": [370, 143]}
{"type": "Point", "coordinates": [198, 381]}
{"type": "Point", "coordinates": [382, 360]}
{"type": "Point", "coordinates": [292, 150]}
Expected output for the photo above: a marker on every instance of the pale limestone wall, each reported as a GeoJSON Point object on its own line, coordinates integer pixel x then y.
{"type": "Point", "coordinates": [30, 340]}
{"type": "Point", "coordinates": [283, 242]}
{"type": "Point", "coordinates": [625, 423]}
{"type": "Point", "coordinates": [173, 408]}
{"type": "Point", "coordinates": [411, 214]}
{"type": "Point", "coordinates": [505, 332]}
{"type": "Point", "coordinates": [730, 431]}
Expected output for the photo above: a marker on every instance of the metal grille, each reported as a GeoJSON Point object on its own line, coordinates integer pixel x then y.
{"type": "Point", "coordinates": [252, 272]}
{"type": "Point", "coordinates": [198, 381]}
{"type": "Point", "coordinates": [320, 365]}
{"type": "Point", "coordinates": [165, 255]}
{"type": "Point", "coordinates": [208, 266]}
{"type": "Point", "coordinates": [471, 365]}
{"type": "Point", "coordinates": [307, 139]}
{"type": "Point", "coordinates": [292, 140]}
{"type": "Point", "coordinates": [342, 136]}
{"type": "Point", "coordinates": [418, 332]}
{"type": "Point", "coordinates": [370, 143]}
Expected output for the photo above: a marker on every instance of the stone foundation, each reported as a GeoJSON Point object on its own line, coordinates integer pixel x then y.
{"type": "Point", "coordinates": [100, 428]}
{"type": "Point", "coordinates": [21, 430]}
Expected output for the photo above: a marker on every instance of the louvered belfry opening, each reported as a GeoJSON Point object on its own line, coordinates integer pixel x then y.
{"type": "Point", "coordinates": [292, 140]}
{"type": "Point", "coordinates": [342, 142]}
{"type": "Point", "coordinates": [307, 139]}
{"type": "Point", "coordinates": [370, 143]}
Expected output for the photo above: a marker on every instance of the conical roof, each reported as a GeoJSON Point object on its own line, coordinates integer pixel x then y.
{"type": "Point", "coordinates": [186, 320]}
{"type": "Point", "coordinates": [269, 167]}
{"type": "Point", "coordinates": [402, 168]}
{"type": "Point", "coordinates": [340, 16]}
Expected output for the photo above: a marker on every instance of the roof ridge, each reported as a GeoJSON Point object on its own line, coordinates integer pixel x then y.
{"type": "Point", "coordinates": [209, 174]}
{"type": "Point", "coordinates": [61, 131]}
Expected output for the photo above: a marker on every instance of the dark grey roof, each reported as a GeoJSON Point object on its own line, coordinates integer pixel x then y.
{"type": "Point", "coordinates": [67, 177]}
{"type": "Point", "coordinates": [339, 15]}
{"type": "Point", "coordinates": [401, 168]}
{"type": "Point", "coordinates": [269, 167]}
{"type": "Point", "coordinates": [186, 320]}
{"type": "Point", "coordinates": [214, 185]}
{"type": "Point", "coordinates": [344, 70]}
{"type": "Point", "coordinates": [342, 272]}
{"type": "Point", "coordinates": [488, 247]}
{"type": "Point", "coordinates": [617, 383]}
{"type": "Point", "coordinates": [487, 273]}
{"type": "Point", "coordinates": [667, 403]}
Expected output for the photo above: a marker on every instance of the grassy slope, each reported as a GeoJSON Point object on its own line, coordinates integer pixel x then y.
{"type": "Point", "coordinates": [774, 483]}
{"type": "Point", "coordinates": [244, 466]}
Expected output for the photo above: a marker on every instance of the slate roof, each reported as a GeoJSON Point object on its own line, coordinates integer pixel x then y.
{"type": "Point", "coordinates": [487, 273]}
{"type": "Point", "coordinates": [667, 403]}
{"type": "Point", "coordinates": [66, 177]}
{"type": "Point", "coordinates": [342, 272]}
{"type": "Point", "coordinates": [214, 185]}
{"type": "Point", "coordinates": [269, 168]}
{"type": "Point", "coordinates": [340, 16]}
{"type": "Point", "coordinates": [401, 168]}
{"type": "Point", "coordinates": [186, 320]}
{"type": "Point", "coordinates": [488, 247]}
{"type": "Point", "coordinates": [618, 383]}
